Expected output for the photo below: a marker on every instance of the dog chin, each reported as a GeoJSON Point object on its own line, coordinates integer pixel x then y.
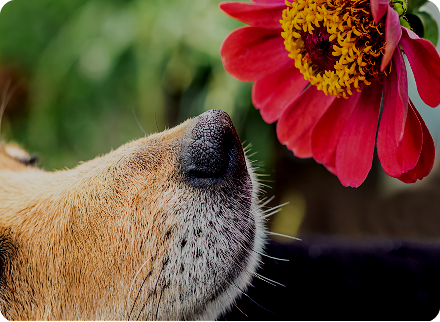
{"type": "Point", "coordinates": [235, 290]}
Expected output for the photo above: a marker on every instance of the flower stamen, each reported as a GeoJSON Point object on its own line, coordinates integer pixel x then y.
{"type": "Point", "coordinates": [335, 43]}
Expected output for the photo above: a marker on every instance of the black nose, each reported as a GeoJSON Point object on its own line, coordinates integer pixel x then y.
{"type": "Point", "coordinates": [213, 151]}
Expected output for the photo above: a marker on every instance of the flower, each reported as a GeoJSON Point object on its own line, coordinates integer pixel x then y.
{"type": "Point", "coordinates": [351, 52]}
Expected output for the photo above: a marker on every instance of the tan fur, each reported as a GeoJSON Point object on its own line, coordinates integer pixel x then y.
{"type": "Point", "coordinates": [81, 243]}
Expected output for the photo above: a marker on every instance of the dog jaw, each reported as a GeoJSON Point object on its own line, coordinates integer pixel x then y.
{"type": "Point", "coordinates": [133, 234]}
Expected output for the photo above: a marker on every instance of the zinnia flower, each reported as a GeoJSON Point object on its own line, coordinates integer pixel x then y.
{"type": "Point", "coordinates": [324, 68]}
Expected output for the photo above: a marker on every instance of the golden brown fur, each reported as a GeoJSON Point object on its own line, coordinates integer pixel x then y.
{"type": "Point", "coordinates": [122, 236]}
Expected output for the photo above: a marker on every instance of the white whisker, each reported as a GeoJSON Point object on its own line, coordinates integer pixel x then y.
{"type": "Point", "coordinates": [239, 309]}
{"type": "Point", "coordinates": [275, 207]}
{"type": "Point", "coordinates": [244, 293]}
{"type": "Point", "coordinates": [139, 124]}
{"type": "Point", "coordinates": [247, 147]}
{"type": "Point", "coordinates": [267, 201]}
{"type": "Point", "coordinates": [280, 259]}
{"type": "Point", "coordinates": [268, 279]}
{"type": "Point", "coordinates": [282, 235]}
{"type": "Point", "coordinates": [261, 180]}
{"type": "Point", "coordinates": [252, 154]}
{"type": "Point", "coordinates": [271, 213]}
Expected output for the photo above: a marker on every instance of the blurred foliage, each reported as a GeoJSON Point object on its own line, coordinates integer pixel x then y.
{"type": "Point", "coordinates": [414, 5]}
{"type": "Point", "coordinates": [95, 69]}
{"type": "Point", "coordinates": [424, 25]}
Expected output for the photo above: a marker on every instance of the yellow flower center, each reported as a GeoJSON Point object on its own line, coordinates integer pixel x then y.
{"type": "Point", "coordinates": [335, 43]}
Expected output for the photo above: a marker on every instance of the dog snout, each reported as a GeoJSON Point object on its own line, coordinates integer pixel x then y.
{"type": "Point", "coordinates": [213, 151]}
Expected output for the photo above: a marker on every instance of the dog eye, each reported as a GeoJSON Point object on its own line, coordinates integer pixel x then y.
{"type": "Point", "coordinates": [20, 155]}
{"type": "Point", "coordinates": [30, 160]}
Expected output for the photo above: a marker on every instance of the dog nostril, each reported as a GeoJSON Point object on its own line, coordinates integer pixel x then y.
{"type": "Point", "coordinates": [214, 147]}
{"type": "Point", "coordinates": [209, 150]}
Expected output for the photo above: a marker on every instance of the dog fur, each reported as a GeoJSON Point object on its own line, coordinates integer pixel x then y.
{"type": "Point", "coordinates": [127, 235]}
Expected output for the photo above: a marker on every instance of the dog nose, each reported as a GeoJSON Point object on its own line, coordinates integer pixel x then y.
{"type": "Point", "coordinates": [213, 151]}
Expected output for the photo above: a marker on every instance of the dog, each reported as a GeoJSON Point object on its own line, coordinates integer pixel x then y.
{"type": "Point", "coordinates": [166, 227]}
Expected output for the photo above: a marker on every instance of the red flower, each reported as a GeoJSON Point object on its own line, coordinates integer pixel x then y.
{"type": "Point", "coordinates": [353, 59]}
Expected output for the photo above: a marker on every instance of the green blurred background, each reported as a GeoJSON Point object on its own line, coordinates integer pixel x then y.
{"type": "Point", "coordinates": [86, 76]}
{"type": "Point", "coordinates": [93, 70]}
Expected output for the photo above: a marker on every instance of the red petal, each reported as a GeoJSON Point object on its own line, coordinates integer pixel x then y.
{"type": "Point", "coordinates": [249, 53]}
{"type": "Point", "coordinates": [258, 15]}
{"type": "Point", "coordinates": [396, 96]}
{"type": "Point", "coordinates": [273, 93]}
{"type": "Point", "coordinates": [354, 154]}
{"type": "Point", "coordinates": [393, 33]}
{"type": "Point", "coordinates": [328, 130]}
{"type": "Point", "coordinates": [426, 159]}
{"type": "Point", "coordinates": [295, 126]}
{"type": "Point", "coordinates": [395, 159]}
{"type": "Point", "coordinates": [378, 9]}
{"type": "Point", "coordinates": [425, 64]}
